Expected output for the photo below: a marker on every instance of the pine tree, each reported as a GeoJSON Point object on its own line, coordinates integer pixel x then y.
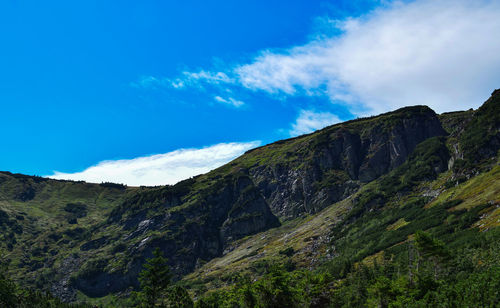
{"type": "Point", "coordinates": [154, 278]}
{"type": "Point", "coordinates": [432, 249]}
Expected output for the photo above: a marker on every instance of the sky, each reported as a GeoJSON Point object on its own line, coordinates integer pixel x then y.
{"type": "Point", "coordinates": [153, 92]}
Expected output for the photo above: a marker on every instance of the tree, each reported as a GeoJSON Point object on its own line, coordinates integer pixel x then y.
{"type": "Point", "coordinates": [432, 249]}
{"type": "Point", "coordinates": [154, 278]}
{"type": "Point", "coordinates": [178, 297]}
{"type": "Point", "coordinates": [8, 290]}
{"type": "Point", "coordinates": [277, 289]}
{"type": "Point", "coordinates": [8, 297]}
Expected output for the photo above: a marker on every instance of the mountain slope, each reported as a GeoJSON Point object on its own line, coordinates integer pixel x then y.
{"type": "Point", "coordinates": [349, 191]}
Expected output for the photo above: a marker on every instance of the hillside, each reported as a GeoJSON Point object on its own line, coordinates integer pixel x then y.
{"type": "Point", "coordinates": [350, 194]}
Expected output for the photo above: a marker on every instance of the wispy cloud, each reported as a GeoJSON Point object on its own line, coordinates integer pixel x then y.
{"type": "Point", "coordinates": [442, 53]}
{"type": "Point", "coordinates": [187, 79]}
{"type": "Point", "coordinates": [151, 82]}
{"type": "Point", "coordinates": [229, 101]}
{"type": "Point", "coordinates": [160, 169]}
{"type": "Point", "coordinates": [207, 77]}
{"type": "Point", "coordinates": [309, 121]}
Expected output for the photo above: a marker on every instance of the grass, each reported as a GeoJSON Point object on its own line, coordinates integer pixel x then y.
{"type": "Point", "coordinates": [300, 235]}
{"type": "Point", "coordinates": [483, 188]}
{"type": "Point", "coordinates": [46, 214]}
{"type": "Point", "coordinates": [398, 224]}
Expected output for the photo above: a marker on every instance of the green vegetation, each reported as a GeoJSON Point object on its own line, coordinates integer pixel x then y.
{"type": "Point", "coordinates": [371, 244]}
{"type": "Point", "coordinates": [13, 296]}
{"type": "Point", "coordinates": [480, 140]}
{"type": "Point", "coordinates": [156, 289]}
{"type": "Point", "coordinates": [370, 212]}
{"type": "Point", "coordinates": [424, 273]}
{"type": "Point", "coordinates": [154, 279]}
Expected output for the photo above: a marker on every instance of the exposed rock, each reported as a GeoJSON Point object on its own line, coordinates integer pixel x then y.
{"type": "Point", "coordinates": [362, 155]}
{"type": "Point", "coordinates": [232, 209]}
{"type": "Point", "coordinates": [94, 244]}
{"type": "Point", "coordinates": [62, 287]}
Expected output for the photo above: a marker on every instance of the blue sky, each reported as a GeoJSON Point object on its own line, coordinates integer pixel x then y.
{"type": "Point", "coordinates": [110, 83]}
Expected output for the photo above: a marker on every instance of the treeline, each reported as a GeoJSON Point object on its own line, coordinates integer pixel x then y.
{"type": "Point", "coordinates": [426, 274]}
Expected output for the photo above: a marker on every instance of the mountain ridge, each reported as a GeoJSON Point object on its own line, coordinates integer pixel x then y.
{"type": "Point", "coordinates": [90, 240]}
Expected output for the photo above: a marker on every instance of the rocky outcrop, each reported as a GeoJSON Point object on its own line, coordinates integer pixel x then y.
{"type": "Point", "coordinates": [197, 230]}
{"type": "Point", "coordinates": [249, 214]}
{"type": "Point", "coordinates": [347, 155]}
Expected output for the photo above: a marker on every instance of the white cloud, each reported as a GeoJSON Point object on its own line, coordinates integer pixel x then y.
{"type": "Point", "coordinates": [207, 76]}
{"type": "Point", "coordinates": [187, 79]}
{"type": "Point", "coordinates": [445, 54]}
{"type": "Point", "coordinates": [309, 121]}
{"type": "Point", "coordinates": [229, 101]}
{"type": "Point", "coordinates": [160, 169]}
{"type": "Point", "coordinates": [440, 53]}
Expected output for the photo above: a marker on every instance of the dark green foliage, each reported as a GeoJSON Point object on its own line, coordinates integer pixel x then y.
{"type": "Point", "coordinates": [453, 182]}
{"type": "Point", "coordinates": [481, 139]}
{"type": "Point", "coordinates": [7, 223]}
{"type": "Point", "coordinates": [278, 288]}
{"type": "Point", "coordinates": [77, 233]}
{"type": "Point", "coordinates": [151, 197]}
{"type": "Point", "coordinates": [427, 160]}
{"type": "Point", "coordinates": [155, 286]}
{"type": "Point", "coordinates": [113, 185]}
{"type": "Point", "coordinates": [287, 252]}
{"type": "Point", "coordinates": [119, 248]}
{"type": "Point", "coordinates": [12, 296]}
{"type": "Point", "coordinates": [78, 210]}
{"type": "Point", "coordinates": [25, 192]}
{"type": "Point", "coordinates": [464, 277]}
{"type": "Point", "coordinates": [154, 279]}
{"type": "Point", "coordinates": [178, 297]}
{"type": "Point", "coordinates": [92, 268]}
{"type": "Point", "coordinates": [8, 292]}
{"type": "Point", "coordinates": [369, 233]}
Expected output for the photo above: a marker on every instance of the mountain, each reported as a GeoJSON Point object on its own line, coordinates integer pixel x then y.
{"type": "Point", "coordinates": [354, 191]}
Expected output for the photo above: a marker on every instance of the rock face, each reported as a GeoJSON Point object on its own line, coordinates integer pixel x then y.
{"type": "Point", "coordinates": [345, 157]}
{"type": "Point", "coordinates": [230, 208]}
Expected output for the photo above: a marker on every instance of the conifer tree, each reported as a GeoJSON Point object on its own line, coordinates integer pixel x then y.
{"type": "Point", "coordinates": [154, 278]}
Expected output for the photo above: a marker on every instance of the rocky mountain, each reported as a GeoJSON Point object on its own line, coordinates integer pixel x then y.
{"type": "Point", "coordinates": [312, 195]}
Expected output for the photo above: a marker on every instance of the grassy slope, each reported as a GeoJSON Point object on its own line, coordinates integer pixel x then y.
{"type": "Point", "coordinates": [299, 236]}
{"type": "Point", "coordinates": [46, 235]}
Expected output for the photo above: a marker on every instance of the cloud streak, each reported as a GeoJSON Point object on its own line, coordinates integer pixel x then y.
{"type": "Point", "coordinates": [160, 169]}
{"type": "Point", "coordinates": [199, 80]}
{"type": "Point", "coordinates": [229, 101]}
